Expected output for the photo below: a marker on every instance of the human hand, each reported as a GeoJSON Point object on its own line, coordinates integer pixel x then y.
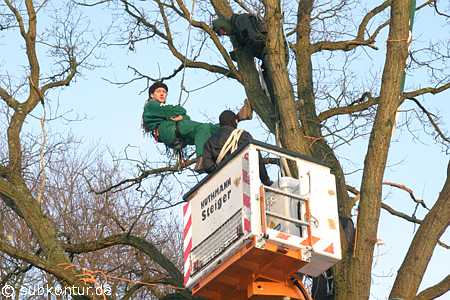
{"type": "Point", "coordinates": [177, 118]}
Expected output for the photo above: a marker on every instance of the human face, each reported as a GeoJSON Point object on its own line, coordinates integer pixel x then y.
{"type": "Point", "coordinates": [222, 32]}
{"type": "Point", "coordinates": [160, 95]}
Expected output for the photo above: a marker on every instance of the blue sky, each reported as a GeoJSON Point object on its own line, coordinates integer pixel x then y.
{"type": "Point", "coordinates": [114, 116]}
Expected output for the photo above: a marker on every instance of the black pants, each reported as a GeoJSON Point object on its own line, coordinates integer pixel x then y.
{"type": "Point", "coordinates": [263, 176]}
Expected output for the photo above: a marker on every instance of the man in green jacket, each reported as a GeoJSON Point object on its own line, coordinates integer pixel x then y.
{"type": "Point", "coordinates": [170, 124]}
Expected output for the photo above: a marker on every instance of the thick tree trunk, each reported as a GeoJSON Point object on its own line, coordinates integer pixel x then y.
{"type": "Point", "coordinates": [311, 128]}
{"type": "Point", "coordinates": [307, 108]}
{"type": "Point", "coordinates": [291, 135]}
{"type": "Point", "coordinates": [421, 249]}
{"type": "Point", "coordinates": [375, 161]}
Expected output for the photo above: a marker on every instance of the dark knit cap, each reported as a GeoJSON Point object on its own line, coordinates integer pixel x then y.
{"type": "Point", "coordinates": [155, 86]}
{"type": "Point", "coordinates": [228, 118]}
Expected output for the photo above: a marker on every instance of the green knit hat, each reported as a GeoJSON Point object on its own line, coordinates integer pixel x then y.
{"type": "Point", "coordinates": [221, 23]}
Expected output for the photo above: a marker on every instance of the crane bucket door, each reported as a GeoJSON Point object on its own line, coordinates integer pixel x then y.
{"type": "Point", "coordinates": [231, 207]}
{"type": "Point", "coordinates": [302, 212]}
{"type": "Point", "coordinates": [216, 216]}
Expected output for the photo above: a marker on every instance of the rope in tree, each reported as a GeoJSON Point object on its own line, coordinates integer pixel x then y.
{"type": "Point", "coordinates": [412, 14]}
{"type": "Point", "coordinates": [42, 175]}
{"type": "Point", "coordinates": [284, 167]}
{"type": "Point", "coordinates": [182, 87]}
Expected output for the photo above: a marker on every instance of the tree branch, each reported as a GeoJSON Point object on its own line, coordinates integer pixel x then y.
{"type": "Point", "coordinates": [203, 26]}
{"type": "Point", "coordinates": [130, 292]}
{"type": "Point", "coordinates": [396, 213]}
{"type": "Point", "coordinates": [10, 100]}
{"type": "Point", "coordinates": [222, 8]}
{"type": "Point", "coordinates": [64, 82]}
{"type": "Point", "coordinates": [427, 90]}
{"type": "Point", "coordinates": [408, 190]}
{"type": "Point", "coordinates": [359, 40]}
{"type": "Point", "coordinates": [18, 18]}
{"type": "Point", "coordinates": [421, 249]}
{"type": "Point", "coordinates": [137, 15]}
{"type": "Point", "coordinates": [435, 291]}
{"type": "Point", "coordinates": [123, 239]}
{"type": "Point", "coordinates": [35, 95]}
{"type": "Point", "coordinates": [245, 6]}
{"type": "Point", "coordinates": [365, 21]}
{"type": "Point", "coordinates": [139, 75]}
{"type": "Point", "coordinates": [437, 9]}
{"type": "Point", "coordinates": [411, 219]}
{"type": "Point", "coordinates": [91, 4]}
{"type": "Point", "coordinates": [354, 107]}
{"type": "Point", "coordinates": [29, 258]}
{"type": "Point", "coordinates": [17, 271]}
{"type": "Point", "coordinates": [187, 62]}
{"type": "Point", "coordinates": [144, 174]}
{"type": "Point", "coordinates": [431, 117]}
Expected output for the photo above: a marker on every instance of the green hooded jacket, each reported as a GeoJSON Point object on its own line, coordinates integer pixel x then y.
{"type": "Point", "coordinates": [157, 115]}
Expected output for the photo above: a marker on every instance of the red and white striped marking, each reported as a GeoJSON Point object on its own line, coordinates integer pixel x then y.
{"type": "Point", "coordinates": [246, 208]}
{"type": "Point", "coordinates": [187, 241]}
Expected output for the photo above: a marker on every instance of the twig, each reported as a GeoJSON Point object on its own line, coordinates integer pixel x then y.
{"type": "Point", "coordinates": [397, 213]}
{"type": "Point", "coordinates": [145, 205]}
{"type": "Point", "coordinates": [137, 180]}
{"type": "Point", "coordinates": [408, 190]}
{"type": "Point", "coordinates": [431, 117]}
{"type": "Point", "coordinates": [437, 10]}
{"type": "Point", "coordinates": [90, 4]}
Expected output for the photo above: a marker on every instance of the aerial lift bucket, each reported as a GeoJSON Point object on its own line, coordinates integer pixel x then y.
{"type": "Point", "coordinates": [244, 240]}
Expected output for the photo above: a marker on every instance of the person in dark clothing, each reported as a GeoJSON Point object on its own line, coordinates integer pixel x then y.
{"type": "Point", "coordinates": [248, 32]}
{"type": "Point", "coordinates": [323, 287]}
{"type": "Point", "coordinates": [228, 121]}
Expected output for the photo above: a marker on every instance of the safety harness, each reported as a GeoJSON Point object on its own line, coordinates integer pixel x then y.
{"type": "Point", "coordinates": [177, 146]}
{"type": "Point", "coordinates": [230, 145]}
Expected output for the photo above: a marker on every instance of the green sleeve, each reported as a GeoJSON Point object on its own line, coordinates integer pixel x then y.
{"type": "Point", "coordinates": [166, 111]}
{"type": "Point", "coordinates": [154, 113]}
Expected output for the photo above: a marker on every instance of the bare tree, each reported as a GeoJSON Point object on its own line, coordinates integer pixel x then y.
{"type": "Point", "coordinates": [316, 116]}
{"type": "Point", "coordinates": [309, 114]}
{"type": "Point", "coordinates": [52, 230]}
{"type": "Point", "coordinates": [13, 186]}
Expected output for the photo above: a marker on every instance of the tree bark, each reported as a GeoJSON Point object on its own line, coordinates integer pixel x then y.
{"type": "Point", "coordinates": [307, 107]}
{"type": "Point", "coordinates": [435, 291]}
{"type": "Point", "coordinates": [411, 271]}
{"type": "Point", "coordinates": [359, 280]}
{"type": "Point", "coordinates": [291, 135]}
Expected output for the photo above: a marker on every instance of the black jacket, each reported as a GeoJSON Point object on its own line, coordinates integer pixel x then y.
{"type": "Point", "coordinates": [249, 33]}
{"type": "Point", "coordinates": [215, 143]}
